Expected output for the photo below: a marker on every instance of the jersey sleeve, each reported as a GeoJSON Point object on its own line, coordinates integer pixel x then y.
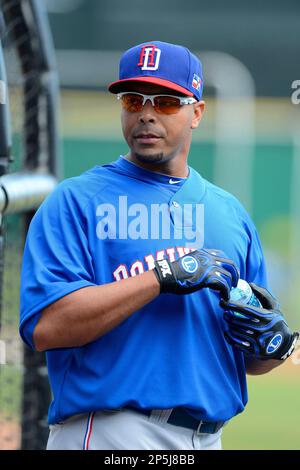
{"type": "Point", "coordinates": [56, 258]}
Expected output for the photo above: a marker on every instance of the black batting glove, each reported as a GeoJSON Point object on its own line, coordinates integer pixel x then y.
{"type": "Point", "coordinates": [196, 270]}
{"type": "Point", "coordinates": [260, 332]}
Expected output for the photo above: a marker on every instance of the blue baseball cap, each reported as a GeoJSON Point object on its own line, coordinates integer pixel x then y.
{"type": "Point", "coordinates": [161, 63]}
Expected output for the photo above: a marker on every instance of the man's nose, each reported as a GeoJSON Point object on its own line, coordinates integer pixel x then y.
{"type": "Point", "coordinates": [147, 114]}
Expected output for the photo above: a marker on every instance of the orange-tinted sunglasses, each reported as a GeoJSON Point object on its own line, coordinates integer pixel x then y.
{"type": "Point", "coordinates": [163, 104]}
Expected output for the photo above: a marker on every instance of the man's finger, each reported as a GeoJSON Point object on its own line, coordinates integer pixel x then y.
{"type": "Point", "coordinates": [218, 283]}
{"type": "Point", "coordinates": [265, 297]}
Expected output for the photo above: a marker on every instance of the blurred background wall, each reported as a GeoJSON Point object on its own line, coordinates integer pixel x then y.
{"type": "Point", "coordinates": [263, 35]}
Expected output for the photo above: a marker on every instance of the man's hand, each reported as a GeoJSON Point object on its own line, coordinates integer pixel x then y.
{"type": "Point", "coordinates": [196, 270]}
{"type": "Point", "coordinates": [260, 332]}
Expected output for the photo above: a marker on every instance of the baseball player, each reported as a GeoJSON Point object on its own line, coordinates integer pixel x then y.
{"type": "Point", "coordinates": [126, 280]}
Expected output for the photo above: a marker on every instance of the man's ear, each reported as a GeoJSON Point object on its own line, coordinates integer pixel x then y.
{"type": "Point", "coordinates": [199, 108]}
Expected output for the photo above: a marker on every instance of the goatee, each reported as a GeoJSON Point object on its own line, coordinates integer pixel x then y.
{"type": "Point", "coordinates": [157, 158]}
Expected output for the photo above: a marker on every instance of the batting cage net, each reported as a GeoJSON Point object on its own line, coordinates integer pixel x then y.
{"type": "Point", "coordinates": [27, 161]}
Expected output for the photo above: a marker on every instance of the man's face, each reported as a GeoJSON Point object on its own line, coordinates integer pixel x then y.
{"type": "Point", "coordinates": [157, 138]}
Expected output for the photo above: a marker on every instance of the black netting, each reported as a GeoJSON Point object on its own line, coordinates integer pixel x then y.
{"type": "Point", "coordinates": [11, 376]}
{"type": "Point", "coordinates": [24, 387]}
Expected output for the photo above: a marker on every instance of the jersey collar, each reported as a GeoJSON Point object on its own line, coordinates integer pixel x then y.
{"type": "Point", "coordinates": [191, 191]}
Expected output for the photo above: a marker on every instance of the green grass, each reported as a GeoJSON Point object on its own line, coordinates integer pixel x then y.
{"type": "Point", "coordinates": [271, 419]}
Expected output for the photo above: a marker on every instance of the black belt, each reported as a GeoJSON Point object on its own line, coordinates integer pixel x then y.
{"type": "Point", "coordinates": [180, 417]}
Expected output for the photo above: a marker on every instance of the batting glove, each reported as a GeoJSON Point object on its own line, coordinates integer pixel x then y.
{"type": "Point", "coordinates": [196, 270]}
{"type": "Point", "coordinates": [261, 332]}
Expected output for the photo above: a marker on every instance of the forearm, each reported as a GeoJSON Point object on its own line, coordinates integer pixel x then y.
{"type": "Point", "coordinates": [84, 315]}
{"type": "Point", "coordinates": [258, 367]}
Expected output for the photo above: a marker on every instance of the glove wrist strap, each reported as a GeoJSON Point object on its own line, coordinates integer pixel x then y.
{"type": "Point", "coordinates": [163, 272]}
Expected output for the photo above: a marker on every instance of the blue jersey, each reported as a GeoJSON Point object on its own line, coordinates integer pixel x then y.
{"type": "Point", "coordinates": [92, 230]}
